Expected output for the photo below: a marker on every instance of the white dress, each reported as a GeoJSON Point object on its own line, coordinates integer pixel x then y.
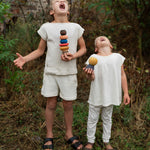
{"type": "Point", "coordinates": [106, 88]}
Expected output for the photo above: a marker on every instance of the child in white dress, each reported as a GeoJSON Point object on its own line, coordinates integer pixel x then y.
{"type": "Point", "coordinates": [108, 80]}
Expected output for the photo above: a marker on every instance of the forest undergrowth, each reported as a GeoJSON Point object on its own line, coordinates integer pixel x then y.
{"type": "Point", "coordinates": [23, 124]}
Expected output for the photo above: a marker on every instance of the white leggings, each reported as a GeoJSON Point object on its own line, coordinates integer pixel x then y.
{"type": "Point", "coordinates": [93, 117]}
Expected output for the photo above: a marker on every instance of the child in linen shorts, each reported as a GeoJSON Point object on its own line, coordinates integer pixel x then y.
{"type": "Point", "coordinates": [108, 80]}
{"type": "Point", "coordinates": [60, 73]}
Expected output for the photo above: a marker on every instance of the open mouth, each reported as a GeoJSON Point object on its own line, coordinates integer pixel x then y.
{"type": "Point", "coordinates": [102, 39]}
{"type": "Point", "coordinates": [62, 6]}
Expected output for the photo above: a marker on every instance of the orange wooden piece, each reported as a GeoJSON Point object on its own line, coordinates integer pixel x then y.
{"type": "Point", "coordinates": [62, 37]}
{"type": "Point", "coordinates": [64, 48]}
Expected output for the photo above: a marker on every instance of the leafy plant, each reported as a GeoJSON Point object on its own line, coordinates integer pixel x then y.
{"type": "Point", "coordinates": [9, 74]}
{"type": "Point", "coordinates": [27, 35]}
{"type": "Point", "coordinates": [4, 11]}
{"type": "Point", "coordinates": [134, 14]}
{"type": "Point", "coordinates": [6, 54]}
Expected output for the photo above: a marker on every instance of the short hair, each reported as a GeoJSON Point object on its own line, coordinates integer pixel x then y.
{"type": "Point", "coordinates": [51, 2]}
{"type": "Point", "coordinates": [95, 41]}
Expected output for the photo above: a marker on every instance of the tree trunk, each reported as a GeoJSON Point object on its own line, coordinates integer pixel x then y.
{"type": "Point", "coordinates": [23, 13]}
{"type": "Point", "coordinates": [43, 13]}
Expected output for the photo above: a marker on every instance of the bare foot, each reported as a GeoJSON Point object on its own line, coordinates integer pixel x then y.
{"type": "Point", "coordinates": [108, 146]}
{"type": "Point", "coordinates": [75, 141]}
{"type": "Point", "coordinates": [48, 144]}
{"type": "Point", "coordinates": [89, 145]}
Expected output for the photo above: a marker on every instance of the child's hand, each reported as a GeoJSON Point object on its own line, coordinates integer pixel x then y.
{"type": "Point", "coordinates": [126, 99]}
{"type": "Point", "coordinates": [89, 72]}
{"type": "Point", "coordinates": [66, 56]}
{"type": "Point", "coordinates": [20, 61]}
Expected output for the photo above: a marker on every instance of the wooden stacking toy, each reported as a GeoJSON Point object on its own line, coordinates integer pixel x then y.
{"type": "Point", "coordinates": [63, 41]}
{"type": "Point", "coordinates": [92, 62]}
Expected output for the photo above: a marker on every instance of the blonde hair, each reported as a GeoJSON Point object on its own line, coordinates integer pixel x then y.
{"type": "Point", "coordinates": [51, 7]}
{"type": "Point", "coordinates": [95, 41]}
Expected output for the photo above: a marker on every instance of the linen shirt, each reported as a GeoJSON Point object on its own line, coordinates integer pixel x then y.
{"type": "Point", "coordinates": [50, 32]}
{"type": "Point", "coordinates": [106, 88]}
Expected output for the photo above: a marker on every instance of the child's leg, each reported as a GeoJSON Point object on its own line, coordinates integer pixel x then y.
{"type": "Point", "coordinates": [49, 115]}
{"type": "Point", "coordinates": [93, 117]}
{"type": "Point", "coordinates": [107, 122]}
{"type": "Point", "coordinates": [68, 116]}
{"type": "Point", "coordinates": [68, 92]}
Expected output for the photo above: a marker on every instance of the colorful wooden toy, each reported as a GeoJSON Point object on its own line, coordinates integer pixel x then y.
{"type": "Point", "coordinates": [63, 32]}
{"type": "Point", "coordinates": [63, 41]}
{"type": "Point", "coordinates": [92, 62]}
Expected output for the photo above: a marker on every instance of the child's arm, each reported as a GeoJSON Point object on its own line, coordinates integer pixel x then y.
{"type": "Point", "coordinates": [126, 97]}
{"type": "Point", "coordinates": [89, 73]}
{"type": "Point", "coordinates": [21, 60]}
{"type": "Point", "coordinates": [82, 49]}
{"type": "Point", "coordinates": [80, 52]}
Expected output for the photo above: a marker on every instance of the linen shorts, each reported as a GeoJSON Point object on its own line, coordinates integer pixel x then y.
{"type": "Point", "coordinates": [64, 86]}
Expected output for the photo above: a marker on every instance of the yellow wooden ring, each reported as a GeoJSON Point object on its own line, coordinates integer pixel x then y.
{"type": "Point", "coordinates": [64, 48]}
{"type": "Point", "coordinates": [92, 61]}
{"type": "Point", "coordinates": [62, 37]}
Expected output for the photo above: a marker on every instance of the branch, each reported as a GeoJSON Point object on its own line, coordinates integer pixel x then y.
{"type": "Point", "coordinates": [22, 12]}
{"type": "Point", "coordinates": [42, 10]}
